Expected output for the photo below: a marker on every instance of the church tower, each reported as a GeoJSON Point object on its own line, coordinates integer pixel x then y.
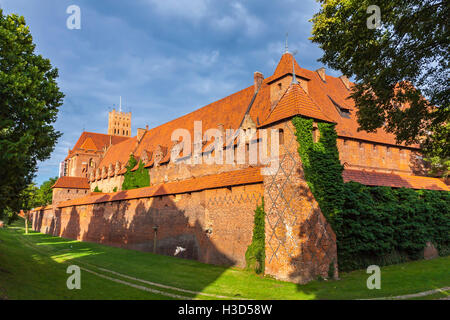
{"type": "Point", "coordinates": [119, 123]}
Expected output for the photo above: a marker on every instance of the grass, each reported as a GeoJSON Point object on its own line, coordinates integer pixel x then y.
{"type": "Point", "coordinates": [34, 266]}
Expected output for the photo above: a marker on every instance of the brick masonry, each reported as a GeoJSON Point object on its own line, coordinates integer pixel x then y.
{"type": "Point", "coordinates": [300, 244]}
{"type": "Point", "coordinates": [214, 226]}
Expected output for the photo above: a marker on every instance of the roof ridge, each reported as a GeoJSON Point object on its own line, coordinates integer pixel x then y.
{"type": "Point", "coordinates": [315, 103]}
{"type": "Point", "coordinates": [282, 96]}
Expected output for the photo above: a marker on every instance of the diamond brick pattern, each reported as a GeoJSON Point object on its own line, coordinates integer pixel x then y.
{"type": "Point", "coordinates": [300, 244]}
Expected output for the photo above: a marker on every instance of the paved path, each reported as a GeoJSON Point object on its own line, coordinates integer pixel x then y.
{"type": "Point", "coordinates": [417, 295]}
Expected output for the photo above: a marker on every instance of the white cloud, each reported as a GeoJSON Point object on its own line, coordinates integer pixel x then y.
{"type": "Point", "coordinates": [239, 18]}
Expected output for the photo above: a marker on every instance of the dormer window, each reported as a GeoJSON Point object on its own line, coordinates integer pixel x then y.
{"type": "Point", "coordinates": [344, 112]}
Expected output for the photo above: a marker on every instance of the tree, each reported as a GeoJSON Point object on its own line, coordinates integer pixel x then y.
{"type": "Point", "coordinates": [44, 194]}
{"type": "Point", "coordinates": [29, 200]}
{"type": "Point", "coordinates": [400, 63]}
{"type": "Point", "coordinates": [29, 103]}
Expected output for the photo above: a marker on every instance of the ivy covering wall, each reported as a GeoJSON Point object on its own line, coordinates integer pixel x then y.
{"type": "Point", "coordinates": [135, 179]}
{"type": "Point", "coordinates": [256, 252]}
{"type": "Point", "coordinates": [373, 225]}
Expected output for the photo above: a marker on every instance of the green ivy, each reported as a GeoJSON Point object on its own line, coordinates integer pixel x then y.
{"type": "Point", "coordinates": [373, 225]}
{"type": "Point", "coordinates": [97, 189]}
{"type": "Point", "coordinates": [383, 225]}
{"type": "Point", "coordinates": [255, 255]}
{"type": "Point", "coordinates": [135, 179]}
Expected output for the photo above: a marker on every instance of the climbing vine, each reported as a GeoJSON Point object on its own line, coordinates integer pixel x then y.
{"type": "Point", "coordinates": [256, 252]}
{"type": "Point", "coordinates": [135, 179]}
{"type": "Point", "coordinates": [373, 225]}
{"type": "Point", "coordinates": [321, 165]}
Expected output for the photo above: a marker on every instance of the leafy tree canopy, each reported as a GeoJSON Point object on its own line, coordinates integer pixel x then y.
{"type": "Point", "coordinates": [29, 103]}
{"type": "Point", "coordinates": [44, 194]}
{"type": "Point", "coordinates": [398, 63]}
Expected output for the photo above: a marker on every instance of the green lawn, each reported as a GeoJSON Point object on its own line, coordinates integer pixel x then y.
{"type": "Point", "coordinates": [34, 266]}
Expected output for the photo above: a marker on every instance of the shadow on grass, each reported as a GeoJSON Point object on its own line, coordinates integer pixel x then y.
{"type": "Point", "coordinates": [132, 226]}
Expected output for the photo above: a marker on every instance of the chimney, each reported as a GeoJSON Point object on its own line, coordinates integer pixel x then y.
{"type": "Point", "coordinates": [345, 81]}
{"type": "Point", "coordinates": [258, 79]}
{"type": "Point", "coordinates": [140, 133]}
{"type": "Point", "coordinates": [321, 73]}
{"type": "Point", "coordinates": [146, 127]}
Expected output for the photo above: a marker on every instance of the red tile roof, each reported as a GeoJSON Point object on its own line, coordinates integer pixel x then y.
{"type": "Point", "coordinates": [321, 92]}
{"type": "Point", "coordinates": [95, 141]}
{"type": "Point", "coordinates": [294, 102]}
{"type": "Point", "coordinates": [316, 103]}
{"type": "Point", "coordinates": [227, 179]}
{"type": "Point", "coordinates": [72, 182]}
{"type": "Point", "coordinates": [371, 178]}
{"type": "Point", "coordinates": [228, 111]}
{"type": "Point", "coordinates": [43, 208]}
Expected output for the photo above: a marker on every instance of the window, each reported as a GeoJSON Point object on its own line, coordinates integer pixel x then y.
{"type": "Point", "coordinates": [281, 136]}
{"type": "Point", "coordinates": [280, 86]}
{"type": "Point", "coordinates": [345, 113]}
{"type": "Point", "coordinates": [315, 134]}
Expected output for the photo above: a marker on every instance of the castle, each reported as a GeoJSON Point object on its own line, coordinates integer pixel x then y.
{"type": "Point", "coordinates": [208, 208]}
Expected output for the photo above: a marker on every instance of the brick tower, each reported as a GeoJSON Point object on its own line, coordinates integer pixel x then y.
{"type": "Point", "coordinates": [119, 123]}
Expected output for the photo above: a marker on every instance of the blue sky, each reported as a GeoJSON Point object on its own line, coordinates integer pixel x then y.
{"type": "Point", "coordinates": [164, 57]}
